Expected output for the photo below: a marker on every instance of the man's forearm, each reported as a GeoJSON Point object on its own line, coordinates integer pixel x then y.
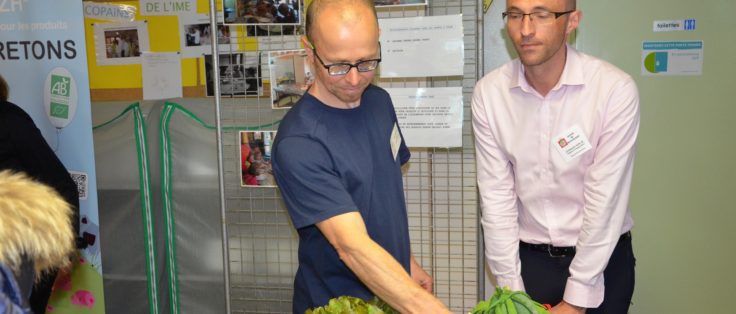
{"type": "Point", "coordinates": [388, 280]}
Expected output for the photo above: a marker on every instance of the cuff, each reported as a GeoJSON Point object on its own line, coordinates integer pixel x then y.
{"type": "Point", "coordinates": [587, 296]}
{"type": "Point", "coordinates": [513, 283]}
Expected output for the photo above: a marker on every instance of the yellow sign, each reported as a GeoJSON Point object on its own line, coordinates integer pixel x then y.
{"type": "Point", "coordinates": [487, 5]}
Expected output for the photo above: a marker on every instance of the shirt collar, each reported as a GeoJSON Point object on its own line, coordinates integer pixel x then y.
{"type": "Point", "coordinates": [572, 74]}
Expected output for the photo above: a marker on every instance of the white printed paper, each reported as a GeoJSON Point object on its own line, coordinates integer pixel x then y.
{"type": "Point", "coordinates": [672, 58]}
{"type": "Point", "coordinates": [422, 46]}
{"type": "Point", "coordinates": [161, 75]}
{"type": "Point", "coordinates": [429, 117]}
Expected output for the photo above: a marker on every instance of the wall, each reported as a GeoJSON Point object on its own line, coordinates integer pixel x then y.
{"type": "Point", "coordinates": [684, 176]}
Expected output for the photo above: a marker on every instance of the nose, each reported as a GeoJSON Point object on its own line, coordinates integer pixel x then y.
{"type": "Point", "coordinates": [353, 76]}
{"type": "Point", "coordinates": [527, 26]}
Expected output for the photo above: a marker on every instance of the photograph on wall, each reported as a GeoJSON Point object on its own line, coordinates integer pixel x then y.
{"type": "Point", "coordinates": [255, 158]}
{"type": "Point", "coordinates": [290, 77]}
{"type": "Point", "coordinates": [196, 36]}
{"type": "Point", "coordinates": [120, 43]}
{"type": "Point", "coordinates": [260, 30]}
{"type": "Point", "coordinates": [388, 3]}
{"type": "Point", "coordinates": [240, 74]}
{"type": "Point", "coordinates": [262, 12]}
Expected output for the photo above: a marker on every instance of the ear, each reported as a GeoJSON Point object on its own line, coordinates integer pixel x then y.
{"type": "Point", "coordinates": [574, 21]}
{"type": "Point", "coordinates": [307, 46]}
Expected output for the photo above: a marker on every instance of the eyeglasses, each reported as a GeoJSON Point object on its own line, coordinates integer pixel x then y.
{"type": "Point", "coordinates": [537, 18]}
{"type": "Point", "coordinates": [343, 68]}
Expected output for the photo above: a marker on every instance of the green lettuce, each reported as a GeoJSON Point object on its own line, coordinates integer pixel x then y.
{"type": "Point", "coordinates": [353, 305]}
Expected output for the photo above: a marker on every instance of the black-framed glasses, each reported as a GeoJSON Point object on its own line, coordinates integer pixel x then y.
{"type": "Point", "coordinates": [537, 18]}
{"type": "Point", "coordinates": [342, 68]}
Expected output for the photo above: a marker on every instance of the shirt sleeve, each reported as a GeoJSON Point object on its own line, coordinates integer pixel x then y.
{"type": "Point", "coordinates": [310, 186]}
{"type": "Point", "coordinates": [606, 189]}
{"type": "Point", "coordinates": [499, 209]}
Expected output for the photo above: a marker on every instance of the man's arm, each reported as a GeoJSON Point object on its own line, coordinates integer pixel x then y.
{"type": "Point", "coordinates": [375, 267]}
{"type": "Point", "coordinates": [420, 276]}
{"type": "Point", "coordinates": [498, 199]}
{"type": "Point", "coordinates": [606, 190]}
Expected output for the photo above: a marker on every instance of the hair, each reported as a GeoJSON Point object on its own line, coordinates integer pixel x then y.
{"type": "Point", "coordinates": [4, 90]}
{"type": "Point", "coordinates": [37, 224]}
{"type": "Point", "coordinates": [317, 6]}
{"type": "Point", "coordinates": [571, 4]}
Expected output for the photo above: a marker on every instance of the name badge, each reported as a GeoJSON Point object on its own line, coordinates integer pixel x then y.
{"type": "Point", "coordinates": [571, 143]}
{"type": "Point", "coordinates": [395, 141]}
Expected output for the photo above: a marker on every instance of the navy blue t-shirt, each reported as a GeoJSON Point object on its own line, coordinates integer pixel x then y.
{"type": "Point", "coordinates": [329, 161]}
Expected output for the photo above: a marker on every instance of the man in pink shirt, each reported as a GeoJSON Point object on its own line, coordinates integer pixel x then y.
{"type": "Point", "coordinates": [555, 134]}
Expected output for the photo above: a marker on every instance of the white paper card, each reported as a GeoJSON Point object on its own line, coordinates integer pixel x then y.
{"type": "Point", "coordinates": [571, 143]}
{"type": "Point", "coordinates": [422, 46]}
{"type": "Point", "coordinates": [161, 75]}
{"type": "Point", "coordinates": [672, 58]}
{"type": "Point", "coordinates": [429, 117]}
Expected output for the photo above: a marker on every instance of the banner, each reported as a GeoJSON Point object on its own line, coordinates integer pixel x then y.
{"type": "Point", "coordinates": [44, 61]}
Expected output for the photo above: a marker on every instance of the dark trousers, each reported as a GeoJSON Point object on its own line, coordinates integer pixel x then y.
{"type": "Point", "coordinates": [545, 277]}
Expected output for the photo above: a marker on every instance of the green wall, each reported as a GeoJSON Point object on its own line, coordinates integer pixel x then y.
{"type": "Point", "coordinates": [683, 191]}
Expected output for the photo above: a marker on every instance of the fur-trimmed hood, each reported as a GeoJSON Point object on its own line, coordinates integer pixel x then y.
{"type": "Point", "coordinates": [34, 221]}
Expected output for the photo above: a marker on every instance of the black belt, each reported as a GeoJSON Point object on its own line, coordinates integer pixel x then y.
{"type": "Point", "coordinates": [560, 251]}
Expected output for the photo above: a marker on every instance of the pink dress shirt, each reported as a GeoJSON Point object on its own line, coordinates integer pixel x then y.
{"type": "Point", "coordinates": [530, 193]}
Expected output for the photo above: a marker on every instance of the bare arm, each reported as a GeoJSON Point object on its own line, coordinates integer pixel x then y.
{"type": "Point", "coordinates": [375, 267]}
{"type": "Point", "coordinates": [420, 276]}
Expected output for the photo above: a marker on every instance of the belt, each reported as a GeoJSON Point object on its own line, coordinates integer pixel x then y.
{"type": "Point", "coordinates": [560, 251]}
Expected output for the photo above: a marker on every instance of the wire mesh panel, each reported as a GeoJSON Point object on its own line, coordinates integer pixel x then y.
{"type": "Point", "coordinates": [439, 185]}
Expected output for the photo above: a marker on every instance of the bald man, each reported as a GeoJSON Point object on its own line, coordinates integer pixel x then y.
{"type": "Point", "coordinates": [555, 134]}
{"type": "Point", "coordinates": [337, 160]}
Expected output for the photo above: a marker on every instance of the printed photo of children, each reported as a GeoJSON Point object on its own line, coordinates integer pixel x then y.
{"type": "Point", "coordinates": [255, 158]}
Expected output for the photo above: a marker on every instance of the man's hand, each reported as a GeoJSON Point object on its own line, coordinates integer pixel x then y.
{"type": "Point", "coordinates": [420, 276]}
{"type": "Point", "coordinates": [567, 308]}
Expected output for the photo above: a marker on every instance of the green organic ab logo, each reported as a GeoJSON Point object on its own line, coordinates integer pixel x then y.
{"type": "Point", "coordinates": [60, 90]}
{"type": "Point", "coordinates": [656, 62]}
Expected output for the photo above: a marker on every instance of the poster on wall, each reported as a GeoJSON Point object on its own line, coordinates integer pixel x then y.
{"type": "Point", "coordinates": [255, 158]}
{"type": "Point", "coordinates": [196, 35]}
{"type": "Point", "coordinates": [285, 12]}
{"type": "Point", "coordinates": [429, 117]}
{"type": "Point", "coordinates": [240, 74]}
{"type": "Point", "coordinates": [44, 61]}
{"type": "Point", "coordinates": [290, 77]}
{"type": "Point", "coordinates": [161, 75]}
{"type": "Point", "coordinates": [120, 43]}
{"type": "Point", "coordinates": [672, 58]}
{"type": "Point", "coordinates": [391, 3]}
{"type": "Point", "coordinates": [422, 46]}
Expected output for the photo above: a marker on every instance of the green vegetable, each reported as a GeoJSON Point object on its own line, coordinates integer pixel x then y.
{"type": "Point", "coordinates": [505, 301]}
{"type": "Point", "coordinates": [353, 305]}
